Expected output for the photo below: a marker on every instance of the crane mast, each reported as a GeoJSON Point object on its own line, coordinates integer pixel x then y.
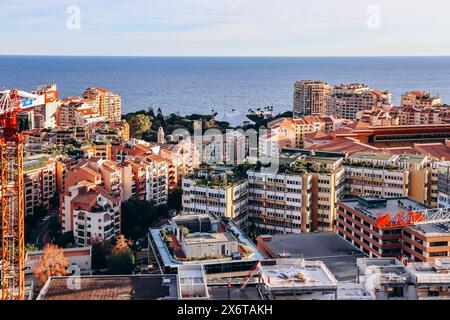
{"type": "Point", "coordinates": [12, 199]}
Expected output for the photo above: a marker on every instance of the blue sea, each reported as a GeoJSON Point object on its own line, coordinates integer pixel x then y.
{"type": "Point", "coordinates": [202, 84]}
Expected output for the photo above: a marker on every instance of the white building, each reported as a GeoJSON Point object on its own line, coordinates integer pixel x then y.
{"type": "Point", "coordinates": [96, 218]}
{"type": "Point", "coordinates": [220, 192]}
{"type": "Point", "coordinates": [443, 183]}
{"type": "Point", "coordinates": [79, 257]}
{"type": "Point", "coordinates": [90, 213]}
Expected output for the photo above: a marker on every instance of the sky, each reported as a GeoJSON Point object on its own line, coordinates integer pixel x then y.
{"type": "Point", "coordinates": [225, 27]}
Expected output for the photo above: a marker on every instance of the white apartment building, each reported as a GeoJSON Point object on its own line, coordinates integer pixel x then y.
{"type": "Point", "coordinates": [90, 213]}
{"type": "Point", "coordinates": [157, 175]}
{"type": "Point", "coordinates": [96, 218]}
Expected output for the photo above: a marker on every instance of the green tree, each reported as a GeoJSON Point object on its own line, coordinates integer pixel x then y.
{"type": "Point", "coordinates": [30, 226]}
{"type": "Point", "coordinates": [138, 216]}
{"type": "Point", "coordinates": [139, 123]}
{"type": "Point", "coordinates": [122, 259]}
{"type": "Point", "coordinates": [40, 212]}
{"type": "Point", "coordinates": [30, 247]}
{"type": "Point", "coordinates": [175, 199]}
{"type": "Point", "coordinates": [66, 239]}
{"type": "Point", "coordinates": [121, 262]}
{"type": "Point", "coordinates": [99, 254]}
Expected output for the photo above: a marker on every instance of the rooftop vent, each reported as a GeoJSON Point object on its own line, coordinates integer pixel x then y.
{"type": "Point", "coordinates": [372, 202]}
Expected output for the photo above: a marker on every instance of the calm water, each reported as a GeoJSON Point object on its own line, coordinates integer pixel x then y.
{"type": "Point", "coordinates": [201, 84]}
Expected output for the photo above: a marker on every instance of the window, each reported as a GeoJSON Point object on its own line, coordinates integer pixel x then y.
{"type": "Point", "coordinates": [396, 292]}
{"type": "Point", "coordinates": [439, 254]}
{"type": "Point", "coordinates": [439, 244]}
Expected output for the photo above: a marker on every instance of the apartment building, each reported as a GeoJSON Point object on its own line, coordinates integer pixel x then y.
{"type": "Point", "coordinates": [375, 174]}
{"type": "Point", "coordinates": [390, 279]}
{"type": "Point", "coordinates": [149, 178]}
{"type": "Point", "coordinates": [290, 132]}
{"type": "Point", "coordinates": [424, 115]}
{"type": "Point", "coordinates": [443, 183]}
{"type": "Point", "coordinates": [432, 280]}
{"type": "Point", "coordinates": [98, 171]}
{"type": "Point", "coordinates": [310, 97]}
{"type": "Point", "coordinates": [419, 99]}
{"type": "Point", "coordinates": [39, 182]}
{"type": "Point", "coordinates": [220, 191]}
{"type": "Point", "coordinates": [347, 100]}
{"type": "Point", "coordinates": [328, 180]}
{"type": "Point", "coordinates": [379, 116]}
{"type": "Point", "coordinates": [118, 132]}
{"type": "Point", "coordinates": [107, 104]}
{"type": "Point", "coordinates": [91, 213]}
{"type": "Point", "coordinates": [76, 112]}
{"type": "Point", "coordinates": [158, 179]}
{"type": "Point", "coordinates": [280, 203]}
{"type": "Point", "coordinates": [391, 175]}
{"type": "Point", "coordinates": [300, 197]}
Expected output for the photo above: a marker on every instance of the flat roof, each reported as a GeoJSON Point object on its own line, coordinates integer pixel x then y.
{"type": "Point", "coordinates": [68, 252]}
{"type": "Point", "coordinates": [426, 272]}
{"type": "Point", "coordinates": [374, 156]}
{"type": "Point", "coordinates": [393, 206]}
{"type": "Point", "coordinates": [250, 292]}
{"type": "Point", "coordinates": [127, 287]}
{"type": "Point", "coordinates": [387, 270]}
{"type": "Point", "coordinates": [198, 238]}
{"type": "Point", "coordinates": [169, 261]}
{"type": "Point", "coordinates": [290, 274]}
{"type": "Point", "coordinates": [352, 291]}
{"type": "Point", "coordinates": [337, 254]}
{"type": "Point", "coordinates": [433, 229]}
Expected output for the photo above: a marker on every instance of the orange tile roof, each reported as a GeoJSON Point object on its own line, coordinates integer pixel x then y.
{"type": "Point", "coordinates": [437, 150]}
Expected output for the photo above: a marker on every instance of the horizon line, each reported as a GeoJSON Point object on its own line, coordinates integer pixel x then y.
{"type": "Point", "coordinates": [224, 56]}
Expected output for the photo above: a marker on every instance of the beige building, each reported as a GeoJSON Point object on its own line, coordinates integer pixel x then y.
{"type": "Point", "coordinates": [387, 176]}
{"type": "Point", "coordinates": [375, 174]}
{"type": "Point", "coordinates": [290, 132]}
{"type": "Point", "coordinates": [218, 191]}
{"type": "Point", "coordinates": [40, 182]}
{"type": "Point", "coordinates": [300, 197]}
{"type": "Point", "coordinates": [280, 203]}
{"type": "Point", "coordinates": [419, 99]}
{"type": "Point", "coordinates": [424, 115]}
{"type": "Point", "coordinates": [107, 103]}
{"type": "Point", "coordinates": [310, 97]}
{"type": "Point", "coordinates": [347, 100]}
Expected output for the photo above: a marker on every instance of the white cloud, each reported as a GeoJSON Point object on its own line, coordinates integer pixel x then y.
{"type": "Point", "coordinates": [226, 27]}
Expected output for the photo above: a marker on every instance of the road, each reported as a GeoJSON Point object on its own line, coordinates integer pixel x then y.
{"type": "Point", "coordinates": [42, 230]}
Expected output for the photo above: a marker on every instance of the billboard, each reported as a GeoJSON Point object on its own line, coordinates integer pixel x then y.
{"type": "Point", "coordinates": [27, 102]}
{"type": "Point", "coordinates": [51, 96]}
